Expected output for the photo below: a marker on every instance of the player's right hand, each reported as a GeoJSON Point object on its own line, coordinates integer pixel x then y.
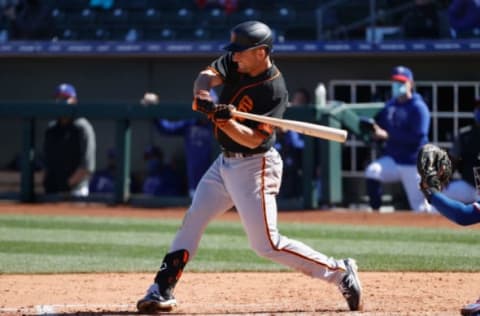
{"type": "Point", "coordinates": [379, 133]}
{"type": "Point", "coordinates": [202, 102]}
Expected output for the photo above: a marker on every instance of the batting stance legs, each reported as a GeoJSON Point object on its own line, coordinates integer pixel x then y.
{"type": "Point", "coordinates": [250, 184]}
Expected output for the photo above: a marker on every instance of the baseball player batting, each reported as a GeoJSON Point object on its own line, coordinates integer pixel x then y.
{"type": "Point", "coordinates": [248, 172]}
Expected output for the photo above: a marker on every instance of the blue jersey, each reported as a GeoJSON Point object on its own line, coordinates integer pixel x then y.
{"type": "Point", "coordinates": [464, 15]}
{"type": "Point", "coordinates": [290, 145]}
{"type": "Point", "coordinates": [162, 181]}
{"type": "Point", "coordinates": [294, 140]}
{"type": "Point", "coordinates": [407, 125]}
{"type": "Point", "coordinates": [458, 212]}
{"type": "Point", "coordinates": [102, 181]}
{"type": "Point", "coordinates": [198, 137]}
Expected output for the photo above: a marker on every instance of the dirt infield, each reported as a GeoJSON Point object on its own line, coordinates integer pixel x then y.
{"type": "Point", "coordinates": [239, 293]}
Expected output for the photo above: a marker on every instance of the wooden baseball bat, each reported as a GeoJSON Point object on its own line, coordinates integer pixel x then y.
{"type": "Point", "coordinates": [315, 130]}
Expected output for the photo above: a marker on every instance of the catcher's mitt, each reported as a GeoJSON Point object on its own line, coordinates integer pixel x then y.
{"type": "Point", "coordinates": [435, 169]}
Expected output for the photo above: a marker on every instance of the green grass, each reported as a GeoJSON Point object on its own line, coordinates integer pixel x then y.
{"type": "Point", "coordinates": [46, 244]}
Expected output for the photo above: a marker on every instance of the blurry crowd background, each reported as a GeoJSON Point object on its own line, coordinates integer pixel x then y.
{"type": "Point", "coordinates": [151, 20]}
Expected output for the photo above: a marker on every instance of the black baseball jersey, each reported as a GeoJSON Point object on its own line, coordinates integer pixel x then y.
{"type": "Point", "coordinates": [265, 94]}
{"type": "Point", "coordinates": [66, 148]}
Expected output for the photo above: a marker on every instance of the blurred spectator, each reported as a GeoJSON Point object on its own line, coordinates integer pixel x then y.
{"type": "Point", "coordinates": [464, 16]}
{"type": "Point", "coordinates": [403, 125]}
{"type": "Point", "coordinates": [423, 21]}
{"type": "Point", "coordinates": [5, 6]}
{"type": "Point", "coordinates": [161, 178]}
{"type": "Point", "coordinates": [29, 20]}
{"type": "Point", "coordinates": [69, 149]}
{"type": "Point", "coordinates": [301, 97]}
{"type": "Point", "coordinates": [15, 163]}
{"type": "Point", "coordinates": [466, 154]}
{"type": "Point", "coordinates": [102, 4]}
{"type": "Point", "coordinates": [198, 141]}
{"type": "Point", "coordinates": [290, 145]}
{"type": "Point", "coordinates": [103, 181]}
{"type": "Point", "coordinates": [228, 6]}
{"type": "Point", "coordinates": [149, 98]}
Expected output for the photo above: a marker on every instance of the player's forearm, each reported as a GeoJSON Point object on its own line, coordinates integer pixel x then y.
{"type": "Point", "coordinates": [379, 133]}
{"type": "Point", "coordinates": [456, 211]}
{"type": "Point", "coordinates": [241, 134]}
{"type": "Point", "coordinates": [201, 83]}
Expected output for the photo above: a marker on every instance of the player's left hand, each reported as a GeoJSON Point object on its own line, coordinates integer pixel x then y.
{"type": "Point", "coordinates": [203, 103]}
{"type": "Point", "coordinates": [223, 112]}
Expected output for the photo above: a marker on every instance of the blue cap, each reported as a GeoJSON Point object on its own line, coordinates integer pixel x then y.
{"type": "Point", "coordinates": [403, 74]}
{"type": "Point", "coordinates": [65, 91]}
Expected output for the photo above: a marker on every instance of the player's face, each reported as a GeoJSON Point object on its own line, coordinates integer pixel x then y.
{"type": "Point", "coordinates": [250, 61]}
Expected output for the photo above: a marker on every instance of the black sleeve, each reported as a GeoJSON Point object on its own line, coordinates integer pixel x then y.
{"type": "Point", "coordinates": [280, 106]}
{"type": "Point", "coordinates": [225, 67]}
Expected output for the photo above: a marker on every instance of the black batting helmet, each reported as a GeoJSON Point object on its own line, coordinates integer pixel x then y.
{"type": "Point", "coordinates": [248, 35]}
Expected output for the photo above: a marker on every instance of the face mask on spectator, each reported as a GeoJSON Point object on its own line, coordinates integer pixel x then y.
{"type": "Point", "coordinates": [399, 89]}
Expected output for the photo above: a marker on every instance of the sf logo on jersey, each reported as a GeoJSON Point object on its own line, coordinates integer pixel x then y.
{"type": "Point", "coordinates": [245, 105]}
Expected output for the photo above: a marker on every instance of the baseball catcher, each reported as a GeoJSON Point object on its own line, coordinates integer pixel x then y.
{"type": "Point", "coordinates": [435, 169]}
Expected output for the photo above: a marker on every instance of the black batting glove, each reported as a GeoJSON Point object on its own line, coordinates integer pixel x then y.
{"type": "Point", "coordinates": [202, 102]}
{"type": "Point", "coordinates": [223, 112]}
{"type": "Point", "coordinates": [203, 105]}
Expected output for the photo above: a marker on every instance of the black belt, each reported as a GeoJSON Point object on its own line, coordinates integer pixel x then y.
{"type": "Point", "coordinates": [231, 154]}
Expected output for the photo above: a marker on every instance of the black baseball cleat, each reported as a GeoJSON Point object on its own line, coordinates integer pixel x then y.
{"type": "Point", "coordinates": [154, 302]}
{"type": "Point", "coordinates": [350, 286]}
{"type": "Point", "coordinates": [472, 309]}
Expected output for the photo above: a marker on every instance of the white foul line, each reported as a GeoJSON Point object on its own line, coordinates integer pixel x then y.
{"type": "Point", "coordinates": [44, 309]}
{"type": "Point", "coordinates": [53, 309]}
{"type": "Point", "coordinates": [58, 309]}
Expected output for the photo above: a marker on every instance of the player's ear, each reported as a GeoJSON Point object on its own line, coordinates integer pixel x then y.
{"type": "Point", "coordinates": [262, 52]}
